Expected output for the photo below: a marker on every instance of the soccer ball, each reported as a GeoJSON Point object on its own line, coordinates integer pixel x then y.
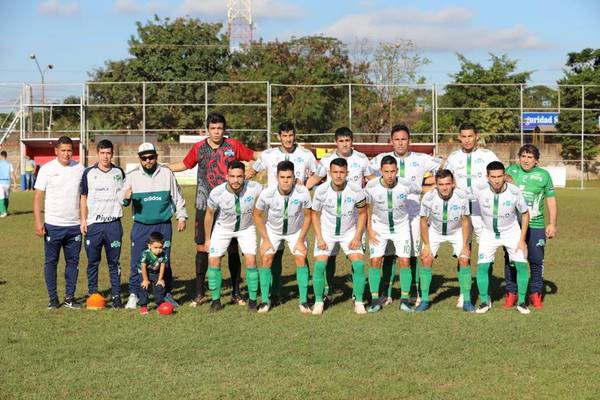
{"type": "Point", "coordinates": [95, 302]}
{"type": "Point", "coordinates": [165, 308]}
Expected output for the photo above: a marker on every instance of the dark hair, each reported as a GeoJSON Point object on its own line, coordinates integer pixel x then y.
{"type": "Point", "coordinates": [400, 127]}
{"type": "Point", "coordinates": [443, 173]}
{"type": "Point", "coordinates": [3, 154]}
{"type": "Point", "coordinates": [285, 165]}
{"type": "Point", "coordinates": [64, 140]}
{"type": "Point", "coordinates": [465, 126]}
{"type": "Point", "coordinates": [236, 164]}
{"type": "Point", "coordinates": [286, 127]}
{"type": "Point", "coordinates": [156, 237]}
{"type": "Point", "coordinates": [104, 144]}
{"type": "Point", "coordinates": [343, 132]}
{"type": "Point", "coordinates": [494, 166]}
{"type": "Point", "coordinates": [215, 118]}
{"type": "Point", "coordinates": [530, 149]}
{"type": "Point", "coordinates": [388, 160]}
{"type": "Point", "coordinates": [340, 162]}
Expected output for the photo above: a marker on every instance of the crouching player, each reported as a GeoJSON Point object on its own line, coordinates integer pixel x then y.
{"type": "Point", "coordinates": [339, 215]}
{"type": "Point", "coordinates": [502, 204]}
{"type": "Point", "coordinates": [230, 207]}
{"type": "Point", "coordinates": [152, 268]}
{"type": "Point", "coordinates": [287, 207]}
{"type": "Point", "coordinates": [445, 218]}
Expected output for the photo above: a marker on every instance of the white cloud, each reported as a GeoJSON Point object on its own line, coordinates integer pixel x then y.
{"type": "Point", "coordinates": [261, 9]}
{"type": "Point", "coordinates": [133, 7]}
{"type": "Point", "coordinates": [447, 29]}
{"type": "Point", "coordinates": [55, 8]}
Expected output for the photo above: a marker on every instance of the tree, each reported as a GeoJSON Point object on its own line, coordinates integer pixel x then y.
{"type": "Point", "coordinates": [481, 98]}
{"type": "Point", "coordinates": [583, 68]}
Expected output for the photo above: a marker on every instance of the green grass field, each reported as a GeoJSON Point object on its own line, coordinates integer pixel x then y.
{"type": "Point", "coordinates": [441, 354]}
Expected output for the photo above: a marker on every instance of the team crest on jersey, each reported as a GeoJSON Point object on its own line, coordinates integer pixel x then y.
{"type": "Point", "coordinates": [401, 196]}
{"type": "Point", "coordinates": [455, 207]}
{"type": "Point", "coordinates": [118, 178]}
{"type": "Point", "coordinates": [414, 164]}
{"type": "Point", "coordinates": [355, 165]}
{"type": "Point", "coordinates": [479, 160]}
{"type": "Point", "coordinates": [298, 159]}
{"type": "Point", "coordinates": [296, 202]}
{"type": "Point", "coordinates": [248, 199]}
{"type": "Point", "coordinates": [507, 203]}
{"type": "Point", "coordinates": [349, 199]}
{"type": "Point", "coordinates": [229, 153]}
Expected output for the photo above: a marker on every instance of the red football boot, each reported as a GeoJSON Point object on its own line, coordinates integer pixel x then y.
{"type": "Point", "coordinates": [535, 299]}
{"type": "Point", "coordinates": [510, 300]}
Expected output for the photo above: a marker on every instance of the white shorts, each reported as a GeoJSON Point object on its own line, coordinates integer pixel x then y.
{"type": "Point", "coordinates": [335, 242]}
{"type": "Point", "coordinates": [415, 238]}
{"type": "Point", "coordinates": [4, 191]}
{"type": "Point", "coordinates": [398, 244]}
{"type": "Point", "coordinates": [488, 245]}
{"type": "Point", "coordinates": [277, 240]}
{"type": "Point", "coordinates": [220, 239]}
{"type": "Point", "coordinates": [455, 239]}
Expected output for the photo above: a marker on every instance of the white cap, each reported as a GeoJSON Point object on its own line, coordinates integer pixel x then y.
{"type": "Point", "coordinates": [146, 148]}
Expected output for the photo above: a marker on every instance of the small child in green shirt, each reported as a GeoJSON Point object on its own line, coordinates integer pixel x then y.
{"type": "Point", "coordinates": [152, 269]}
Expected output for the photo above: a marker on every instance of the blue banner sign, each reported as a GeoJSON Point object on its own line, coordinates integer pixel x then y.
{"type": "Point", "coordinates": [532, 119]}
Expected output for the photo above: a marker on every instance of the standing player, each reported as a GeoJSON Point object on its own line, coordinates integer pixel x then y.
{"type": "Point", "coordinates": [7, 173]}
{"type": "Point", "coordinates": [212, 156]}
{"type": "Point", "coordinates": [287, 206]}
{"type": "Point", "coordinates": [305, 165]}
{"type": "Point", "coordinates": [536, 184]}
{"type": "Point", "coordinates": [359, 171]}
{"type": "Point", "coordinates": [101, 214]}
{"type": "Point", "coordinates": [445, 218]}
{"type": "Point", "coordinates": [388, 222]}
{"type": "Point", "coordinates": [234, 201]}
{"type": "Point", "coordinates": [469, 168]}
{"type": "Point", "coordinates": [155, 197]}
{"type": "Point", "coordinates": [57, 185]}
{"type": "Point", "coordinates": [339, 215]}
{"type": "Point", "coordinates": [412, 166]}
{"type": "Point", "coordinates": [501, 205]}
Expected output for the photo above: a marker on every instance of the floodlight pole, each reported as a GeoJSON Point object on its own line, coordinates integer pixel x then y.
{"type": "Point", "coordinates": [50, 66]}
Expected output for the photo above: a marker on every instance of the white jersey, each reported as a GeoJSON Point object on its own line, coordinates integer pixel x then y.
{"type": "Point", "coordinates": [285, 213]}
{"type": "Point", "coordinates": [305, 163]}
{"type": "Point", "coordinates": [102, 190]}
{"type": "Point", "coordinates": [339, 210]}
{"type": "Point", "coordinates": [389, 205]}
{"type": "Point", "coordinates": [500, 212]}
{"type": "Point", "coordinates": [445, 216]}
{"type": "Point", "coordinates": [413, 167]}
{"type": "Point", "coordinates": [235, 209]}
{"type": "Point", "coordinates": [358, 166]}
{"type": "Point", "coordinates": [469, 169]}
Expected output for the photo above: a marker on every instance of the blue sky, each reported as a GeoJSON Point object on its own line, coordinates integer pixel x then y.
{"type": "Point", "coordinates": [80, 35]}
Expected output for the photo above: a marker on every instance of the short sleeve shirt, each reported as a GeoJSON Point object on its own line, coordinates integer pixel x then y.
{"type": "Point", "coordinates": [234, 209]}
{"type": "Point", "coordinates": [285, 213]}
{"type": "Point", "coordinates": [102, 189]}
{"type": "Point", "coordinates": [304, 161]}
{"type": "Point", "coordinates": [152, 262]}
{"type": "Point", "coordinates": [445, 216]}
{"type": "Point", "coordinates": [61, 185]}
{"type": "Point", "coordinates": [212, 165]}
{"type": "Point", "coordinates": [6, 170]}
{"type": "Point", "coordinates": [358, 166]}
{"type": "Point", "coordinates": [536, 185]}
{"type": "Point", "coordinates": [389, 205]}
{"type": "Point", "coordinates": [339, 209]}
{"type": "Point", "coordinates": [469, 169]}
{"type": "Point", "coordinates": [500, 212]}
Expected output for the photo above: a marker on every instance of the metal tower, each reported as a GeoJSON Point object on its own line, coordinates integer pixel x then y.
{"type": "Point", "coordinates": [239, 23]}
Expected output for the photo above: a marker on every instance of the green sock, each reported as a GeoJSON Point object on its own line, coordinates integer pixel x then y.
{"type": "Point", "coordinates": [3, 207]}
{"type": "Point", "coordinates": [389, 274]}
{"type": "Point", "coordinates": [265, 277]}
{"type": "Point", "coordinates": [319, 280]}
{"type": "Point", "coordinates": [483, 281]}
{"type": "Point", "coordinates": [276, 272]}
{"type": "Point", "coordinates": [464, 280]}
{"type": "Point", "coordinates": [358, 280]}
{"type": "Point", "coordinates": [215, 279]}
{"type": "Point", "coordinates": [425, 273]}
{"type": "Point", "coordinates": [522, 280]}
{"type": "Point", "coordinates": [252, 282]}
{"type": "Point", "coordinates": [405, 282]}
{"type": "Point", "coordinates": [374, 281]}
{"type": "Point", "coordinates": [302, 278]}
{"type": "Point", "coordinates": [330, 274]}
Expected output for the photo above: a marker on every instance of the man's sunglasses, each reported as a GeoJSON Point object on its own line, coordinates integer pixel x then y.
{"type": "Point", "coordinates": [150, 157]}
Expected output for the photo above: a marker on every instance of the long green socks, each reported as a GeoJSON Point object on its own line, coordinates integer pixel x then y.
{"type": "Point", "coordinates": [319, 280]}
{"type": "Point", "coordinates": [522, 280]}
{"type": "Point", "coordinates": [215, 280]}
{"type": "Point", "coordinates": [302, 278]}
{"type": "Point", "coordinates": [425, 273]}
{"type": "Point", "coordinates": [252, 282]}
{"type": "Point", "coordinates": [3, 206]}
{"type": "Point", "coordinates": [483, 281]}
{"type": "Point", "coordinates": [358, 280]}
{"type": "Point", "coordinates": [374, 281]}
{"type": "Point", "coordinates": [464, 280]}
{"type": "Point", "coordinates": [265, 277]}
{"type": "Point", "coordinates": [405, 282]}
